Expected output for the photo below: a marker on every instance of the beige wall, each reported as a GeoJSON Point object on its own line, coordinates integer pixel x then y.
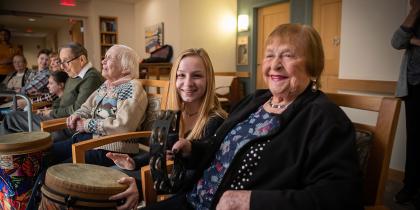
{"type": "Point", "coordinates": [366, 52]}
{"type": "Point", "coordinates": [191, 23]}
{"type": "Point", "coordinates": [89, 12]}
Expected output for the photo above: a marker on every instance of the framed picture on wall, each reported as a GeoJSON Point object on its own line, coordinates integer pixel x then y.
{"type": "Point", "coordinates": [242, 50]}
{"type": "Point", "coordinates": [153, 37]}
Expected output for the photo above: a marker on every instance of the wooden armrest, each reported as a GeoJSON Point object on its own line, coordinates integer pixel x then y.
{"type": "Point", "coordinates": [376, 208]}
{"type": "Point", "coordinates": [148, 190]}
{"type": "Point", "coordinates": [79, 149]}
{"type": "Point", "coordinates": [53, 125]}
{"type": "Point", "coordinates": [40, 104]}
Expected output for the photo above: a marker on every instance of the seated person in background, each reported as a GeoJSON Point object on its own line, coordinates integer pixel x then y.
{"type": "Point", "coordinates": [17, 79]}
{"type": "Point", "coordinates": [288, 147]}
{"type": "Point", "coordinates": [38, 79]}
{"type": "Point", "coordinates": [84, 79]}
{"type": "Point", "coordinates": [118, 106]}
{"type": "Point", "coordinates": [55, 62]}
{"type": "Point", "coordinates": [56, 84]}
{"type": "Point", "coordinates": [191, 90]}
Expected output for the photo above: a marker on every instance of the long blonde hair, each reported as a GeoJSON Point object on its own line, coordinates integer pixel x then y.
{"type": "Point", "coordinates": [210, 106]}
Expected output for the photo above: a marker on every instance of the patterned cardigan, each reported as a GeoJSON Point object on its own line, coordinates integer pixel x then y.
{"type": "Point", "coordinates": [115, 109]}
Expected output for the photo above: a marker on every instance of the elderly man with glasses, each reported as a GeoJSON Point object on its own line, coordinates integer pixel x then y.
{"type": "Point", "coordinates": [84, 79]}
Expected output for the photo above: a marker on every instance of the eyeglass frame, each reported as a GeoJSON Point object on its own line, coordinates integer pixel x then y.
{"type": "Point", "coordinates": [62, 63]}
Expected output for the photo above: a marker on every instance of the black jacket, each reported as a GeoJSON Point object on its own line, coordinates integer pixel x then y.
{"type": "Point", "coordinates": [308, 162]}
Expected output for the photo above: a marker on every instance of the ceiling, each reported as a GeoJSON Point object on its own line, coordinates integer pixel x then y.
{"type": "Point", "coordinates": [40, 26]}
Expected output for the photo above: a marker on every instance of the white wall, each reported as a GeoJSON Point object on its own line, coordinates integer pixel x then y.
{"type": "Point", "coordinates": [192, 24]}
{"type": "Point", "coordinates": [31, 46]}
{"type": "Point", "coordinates": [366, 53]}
{"type": "Point", "coordinates": [150, 12]}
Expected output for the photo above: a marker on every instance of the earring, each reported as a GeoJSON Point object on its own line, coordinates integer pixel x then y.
{"type": "Point", "coordinates": [314, 86]}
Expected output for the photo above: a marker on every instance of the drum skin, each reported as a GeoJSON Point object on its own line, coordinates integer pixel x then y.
{"type": "Point", "coordinates": [21, 160]}
{"type": "Point", "coordinates": [80, 186]}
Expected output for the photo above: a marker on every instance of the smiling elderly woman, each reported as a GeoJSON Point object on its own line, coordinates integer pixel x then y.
{"type": "Point", "coordinates": [288, 147]}
{"type": "Point", "coordinates": [117, 106]}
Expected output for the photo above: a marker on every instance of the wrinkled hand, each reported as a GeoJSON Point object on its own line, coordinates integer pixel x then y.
{"type": "Point", "coordinates": [131, 194]}
{"type": "Point", "coordinates": [45, 112]}
{"type": "Point", "coordinates": [122, 160]}
{"type": "Point", "coordinates": [21, 103]}
{"type": "Point", "coordinates": [183, 146]}
{"type": "Point", "coordinates": [80, 125]}
{"type": "Point", "coordinates": [235, 200]}
{"type": "Point", "coordinates": [71, 121]}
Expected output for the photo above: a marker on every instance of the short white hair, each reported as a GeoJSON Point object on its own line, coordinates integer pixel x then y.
{"type": "Point", "coordinates": [129, 60]}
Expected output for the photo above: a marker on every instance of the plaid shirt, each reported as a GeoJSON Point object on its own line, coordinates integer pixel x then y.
{"type": "Point", "coordinates": [37, 82]}
{"type": "Point", "coordinates": [45, 97]}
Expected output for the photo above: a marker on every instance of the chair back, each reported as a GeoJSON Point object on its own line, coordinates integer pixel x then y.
{"type": "Point", "coordinates": [383, 131]}
{"type": "Point", "coordinates": [157, 96]}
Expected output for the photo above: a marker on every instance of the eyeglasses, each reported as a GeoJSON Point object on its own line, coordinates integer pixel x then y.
{"type": "Point", "coordinates": [66, 63]}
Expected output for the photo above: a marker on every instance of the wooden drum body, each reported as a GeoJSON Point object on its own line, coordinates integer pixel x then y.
{"type": "Point", "coordinates": [80, 186]}
{"type": "Point", "coordinates": [21, 160]}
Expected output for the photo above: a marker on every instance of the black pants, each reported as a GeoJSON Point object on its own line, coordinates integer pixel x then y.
{"type": "Point", "coordinates": [412, 164]}
{"type": "Point", "coordinates": [178, 202]}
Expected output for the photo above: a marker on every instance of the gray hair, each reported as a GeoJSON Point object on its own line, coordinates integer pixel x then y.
{"type": "Point", "coordinates": [76, 49]}
{"type": "Point", "coordinates": [129, 60]}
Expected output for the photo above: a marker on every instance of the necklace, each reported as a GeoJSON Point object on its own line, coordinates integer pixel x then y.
{"type": "Point", "coordinates": [190, 114]}
{"type": "Point", "coordinates": [277, 106]}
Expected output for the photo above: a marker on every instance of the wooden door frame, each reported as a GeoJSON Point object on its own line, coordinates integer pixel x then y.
{"type": "Point", "coordinates": [300, 12]}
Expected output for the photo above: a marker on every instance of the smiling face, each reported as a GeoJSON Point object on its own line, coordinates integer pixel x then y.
{"type": "Point", "coordinates": [284, 70]}
{"type": "Point", "coordinates": [111, 66]}
{"type": "Point", "coordinates": [191, 81]}
{"type": "Point", "coordinates": [43, 61]}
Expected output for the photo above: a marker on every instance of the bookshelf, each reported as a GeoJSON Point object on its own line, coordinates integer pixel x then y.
{"type": "Point", "coordinates": [108, 28]}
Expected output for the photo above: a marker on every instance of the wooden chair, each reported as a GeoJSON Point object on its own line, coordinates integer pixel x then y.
{"type": "Point", "coordinates": [378, 162]}
{"type": "Point", "coordinates": [228, 90]}
{"type": "Point", "coordinates": [388, 110]}
{"type": "Point", "coordinates": [80, 148]}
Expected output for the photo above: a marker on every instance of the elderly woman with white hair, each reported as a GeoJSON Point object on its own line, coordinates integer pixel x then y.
{"type": "Point", "coordinates": [117, 106]}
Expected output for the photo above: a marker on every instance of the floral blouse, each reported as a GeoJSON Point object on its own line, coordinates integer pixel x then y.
{"type": "Point", "coordinates": [257, 125]}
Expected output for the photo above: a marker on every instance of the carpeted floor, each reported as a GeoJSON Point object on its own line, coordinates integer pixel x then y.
{"type": "Point", "coordinates": [392, 187]}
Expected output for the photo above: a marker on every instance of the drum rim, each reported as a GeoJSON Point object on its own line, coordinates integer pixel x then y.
{"type": "Point", "coordinates": [19, 148]}
{"type": "Point", "coordinates": [77, 189]}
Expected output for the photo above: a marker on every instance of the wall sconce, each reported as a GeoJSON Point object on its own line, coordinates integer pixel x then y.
{"type": "Point", "coordinates": [243, 23]}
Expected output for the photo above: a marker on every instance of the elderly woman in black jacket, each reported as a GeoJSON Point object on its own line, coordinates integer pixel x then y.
{"type": "Point", "coordinates": [288, 147]}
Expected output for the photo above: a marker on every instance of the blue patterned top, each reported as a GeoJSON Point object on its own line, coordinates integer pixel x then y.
{"type": "Point", "coordinates": [257, 125]}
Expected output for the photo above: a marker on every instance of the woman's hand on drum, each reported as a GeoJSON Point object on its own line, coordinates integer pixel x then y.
{"type": "Point", "coordinates": [131, 194]}
{"type": "Point", "coordinates": [235, 199]}
{"type": "Point", "coordinates": [183, 146]}
{"type": "Point", "coordinates": [122, 160]}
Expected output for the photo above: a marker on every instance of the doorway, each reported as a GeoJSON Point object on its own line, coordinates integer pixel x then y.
{"type": "Point", "coordinates": [268, 18]}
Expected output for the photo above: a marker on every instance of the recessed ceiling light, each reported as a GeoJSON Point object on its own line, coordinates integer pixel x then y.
{"type": "Point", "coordinates": [31, 19]}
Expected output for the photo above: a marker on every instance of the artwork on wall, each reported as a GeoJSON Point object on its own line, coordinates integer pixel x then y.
{"type": "Point", "coordinates": [242, 50]}
{"type": "Point", "coordinates": [153, 37]}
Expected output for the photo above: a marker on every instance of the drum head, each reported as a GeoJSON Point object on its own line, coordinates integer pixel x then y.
{"type": "Point", "coordinates": [24, 142]}
{"type": "Point", "coordinates": [84, 180]}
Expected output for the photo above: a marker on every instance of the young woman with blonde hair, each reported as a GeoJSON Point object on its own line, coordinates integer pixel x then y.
{"type": "Point", "coordinates": [192, 92]}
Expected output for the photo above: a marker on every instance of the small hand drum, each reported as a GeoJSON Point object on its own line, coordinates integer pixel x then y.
{"type": "Point", "coordinates": [81, 186]}
{"type": "Point", "coordinates": [164, 134]}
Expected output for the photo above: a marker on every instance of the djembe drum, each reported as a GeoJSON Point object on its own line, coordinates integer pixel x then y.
{"type": "Point", "coordinates": [81, 186]}
{"type": "Point", "coordinates": [21, 160]}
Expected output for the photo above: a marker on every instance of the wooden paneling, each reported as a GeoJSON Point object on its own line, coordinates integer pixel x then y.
{"type": "Point", "coordinates": [334, 84]}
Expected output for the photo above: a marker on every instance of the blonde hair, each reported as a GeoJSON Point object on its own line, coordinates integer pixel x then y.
{"type": "Point", "coordinates": [307, 39]}
{"type": "Point", "coordinates": [210, 106]}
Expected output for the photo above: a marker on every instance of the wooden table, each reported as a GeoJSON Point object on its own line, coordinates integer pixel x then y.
{"type": "Point", "coordinates": [154, 69]}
